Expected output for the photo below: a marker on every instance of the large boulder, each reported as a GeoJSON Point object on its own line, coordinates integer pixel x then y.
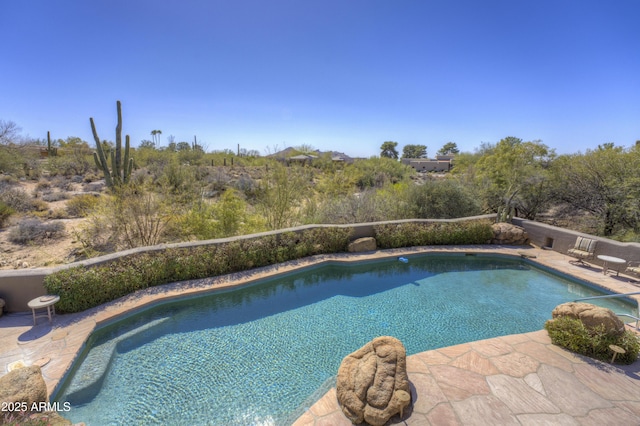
{"type": "Point", "coordinates": [26, 387]}
{"type": "Point", "coordinates": [23, 385]}
{"type": "Point", "coordinates": [509, 234]}
{"type": "Point", "coordinates": [372, 383]}
{"type": "Point", "coordinates": [591, 316]}
{"type": "Point", "coordinates": [362, 244]}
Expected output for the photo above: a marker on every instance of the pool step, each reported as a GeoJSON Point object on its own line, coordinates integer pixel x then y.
{"type": "Point", "coordinates": [88, 378]}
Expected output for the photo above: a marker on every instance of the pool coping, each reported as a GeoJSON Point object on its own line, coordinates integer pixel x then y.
{"type": "Point", "coordinates": [57, 345]}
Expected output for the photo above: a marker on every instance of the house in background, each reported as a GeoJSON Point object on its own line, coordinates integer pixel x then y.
{"type": "Point", "coordinates": [287, 156]}
{"type": "Point", "coordinates": [442, 163]}
{"type": "Point", "coordinates": [301, 159]}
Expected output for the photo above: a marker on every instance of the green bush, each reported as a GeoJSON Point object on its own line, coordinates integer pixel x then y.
{"type": "Point", "coordinates": [74, 162]}
{"type": "Point", "coordinates": [411, 234]}
{"type": "Point", "coordinates": [82, 205]}
{"type": "Point", "coordinates": [5, 213]}
{"type": "Point", "coordinates": [81, 288]}
{"type": "Point", "coordinates": [377, 172]}
{"type": "Point", "coordinates": [571, 334]}
{"type": "Point", "coordinates": [11, 160]}
{"type": "Point", "coordinates": [442, 199]}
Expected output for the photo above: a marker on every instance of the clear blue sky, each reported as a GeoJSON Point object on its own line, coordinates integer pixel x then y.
{"type": "Point", "coordinates": [341, 75]}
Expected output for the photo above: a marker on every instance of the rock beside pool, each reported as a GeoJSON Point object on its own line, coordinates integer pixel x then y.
{"type": "Point", "coordinates": [372, 383]}
{"type": "Point", "coordinates": [591, 316]}
{"type": "Point", "coordinates": [509, 234]}
{"type": "Point", "coordinates": [23, 385]}
{"type": "Point", "coordinates": [26, 387]}
{"type": "Point", "coordinates": [362, 244]}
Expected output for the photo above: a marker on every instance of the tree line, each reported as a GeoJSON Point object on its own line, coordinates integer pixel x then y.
{"type": "Point", "coordinates": [389, 149]}
{"type": "Point", "coordinates": [183, 194]}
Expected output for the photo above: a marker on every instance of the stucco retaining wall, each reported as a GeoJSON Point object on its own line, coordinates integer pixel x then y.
{"type": "Point", "coordinates": [560, 240]}
{"type": "Point", "coordinates": [17, 287]}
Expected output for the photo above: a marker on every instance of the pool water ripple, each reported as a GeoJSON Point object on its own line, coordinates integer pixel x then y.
{"type": "Point", "coordinates": [257, 354]}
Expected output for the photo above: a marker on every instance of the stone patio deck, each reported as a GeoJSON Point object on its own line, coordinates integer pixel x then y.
{"type": "Point", "coordinates": [519, 379]}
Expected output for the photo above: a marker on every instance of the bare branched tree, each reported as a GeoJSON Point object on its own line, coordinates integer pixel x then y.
{"type": "Point", "coordinates": [8, 132]}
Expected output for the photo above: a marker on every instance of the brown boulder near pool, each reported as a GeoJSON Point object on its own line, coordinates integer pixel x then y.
{"type": "Point", "coordinates": [508, 234]}
{"type": "Point", "coordinates": [591, 316]}
{"type": "Point", "coordinates": [23, 385]}
{"type": "Point", "coordinates": [372, 383]}
{"type": "Point", "coordinates": [362, 244]}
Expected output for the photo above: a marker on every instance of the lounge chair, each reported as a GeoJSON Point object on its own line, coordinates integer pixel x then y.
{"type": "Point", "coordinates": [584, 249]}
{"type": "Point", "coordinates": [633, 268]}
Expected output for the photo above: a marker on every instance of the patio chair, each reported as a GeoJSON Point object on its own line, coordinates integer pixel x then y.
{"type": "Point", "coordinates": [633, 268]}
{"type": "Point", "coordinates": [584, 249]}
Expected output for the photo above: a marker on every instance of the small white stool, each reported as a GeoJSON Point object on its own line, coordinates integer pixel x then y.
{"type": "Point", "coordinates": [44, 302]}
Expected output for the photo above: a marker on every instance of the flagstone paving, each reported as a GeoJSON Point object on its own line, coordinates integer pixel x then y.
{"type": "Point", "coordinates": [519, 379]}
{"type": "Point", "coordinates": [511, 380]}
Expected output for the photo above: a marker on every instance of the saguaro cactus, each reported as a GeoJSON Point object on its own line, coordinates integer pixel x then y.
{"type": "Point", "coordinates": [51, 150]}
{"type": "Point", "coordinates": [120, 169]}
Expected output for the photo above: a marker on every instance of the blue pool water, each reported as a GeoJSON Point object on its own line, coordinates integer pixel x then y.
{"type": "Point", "coordinates": [263, 353]}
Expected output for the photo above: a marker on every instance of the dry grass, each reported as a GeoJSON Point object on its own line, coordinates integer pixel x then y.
{"type": "Point", "coordinates": [44, 253]}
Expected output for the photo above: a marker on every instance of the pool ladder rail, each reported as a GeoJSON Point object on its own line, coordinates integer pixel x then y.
{"type": "Point", "coordinates": [607, 296]}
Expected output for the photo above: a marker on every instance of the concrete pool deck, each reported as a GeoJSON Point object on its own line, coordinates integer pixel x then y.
{"type": "Point", "coordinates": [518, 379]}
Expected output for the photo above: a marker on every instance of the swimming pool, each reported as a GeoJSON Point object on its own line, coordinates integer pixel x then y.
{"type": "Point", "coordinates": [262, 353]}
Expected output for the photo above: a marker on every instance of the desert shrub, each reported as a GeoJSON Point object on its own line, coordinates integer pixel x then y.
{"type": "Point", "coordinates": [6, 212]}
{"type": "Point", "coordinates": [58, 214]}
{"type": "Point", "coordinates": [51, 197]}
{"type": "Point", "coordinates": [281, 195]}
{"type": "Point", "coordinates": [132, 217]}
{"type": "Point", "coordinates": [230, 212]}
{"type": "Point", "coordinates": [442, 199]}
{"type": "Point", "coordinates": [247, 185]}
{"type": "Point", "coordinates": [191, 156]}
{"type": "Point", "coordinates": [228, 216]}
{"type": "Point", "coordinates": [77, 161]}
{"type": "Point", "coordinates": [352, 208]}
{"type": "Point", "coordinates": [11, 160]}
{"type": "Point", "coordinates": [409, 234]}
{"type": "Point", "coordinates": [43, 186]}
{"type": "Point", "coordinates": [94, 186]}
{"type": "Point", "coordinates": [91, 176]}
{"type": "Point", "coordinates": [196, 223]}
{"type": "Point", "coordinates": [377, 172]}
{"type": "Point", "coordinates": [82, 287]}
{"type": "Point", "coordinates": [177, 181]}
{"type": "Point", "coordinates": [16, 198]}
{"type": "Point", "coordinates": [82, 205]}
{"type": "Point", "coordinates": [571, 334]}
{"type": "Point", "coordinates": [63, 183]}
{"type": "Point", "coordinates": [33, 230]}
{"type": "Point", "coordinates": [38, 205]}
{"type": "Point", "coordinates": [7, 181]}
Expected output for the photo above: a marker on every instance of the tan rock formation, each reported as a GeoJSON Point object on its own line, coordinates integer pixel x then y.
{"type": "Point", "coordinates": [26, 389]}
{"type": "Point", "coordinates": [362, 244]}
{"type": "Point", "coordinates": [23, 385]}
{"type": "Point", "coordinates": [372, 383]}
{"type": "Point", "coordinates": [509, 234]}
{"type": "Point", "coordinates": [591, 316]}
